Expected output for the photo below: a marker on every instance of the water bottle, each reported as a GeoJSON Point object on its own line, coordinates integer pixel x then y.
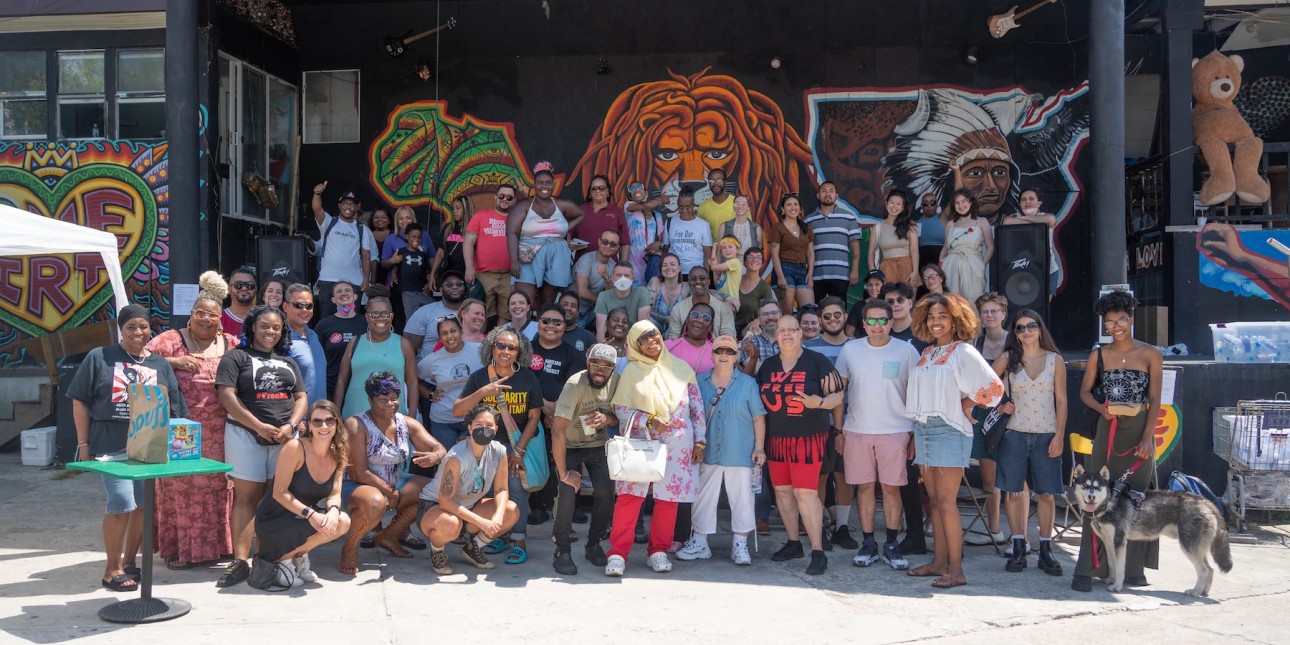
{"type": "Point", "coordinates": [756, 480]}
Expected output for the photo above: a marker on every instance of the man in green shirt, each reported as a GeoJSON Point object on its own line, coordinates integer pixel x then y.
{"type": "Point", "coordinates": [636, 300]}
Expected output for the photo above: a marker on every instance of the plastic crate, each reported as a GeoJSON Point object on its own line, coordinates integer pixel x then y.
{"type": "Point", "coordinates": [1223, 432]}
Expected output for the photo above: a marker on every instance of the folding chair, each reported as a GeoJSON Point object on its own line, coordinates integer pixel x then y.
{"type": "Point", "coordinates": [980, 515]}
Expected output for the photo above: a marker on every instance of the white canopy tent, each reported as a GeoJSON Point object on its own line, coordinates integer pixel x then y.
{"type": "Point", "coordinates": [29, 234]}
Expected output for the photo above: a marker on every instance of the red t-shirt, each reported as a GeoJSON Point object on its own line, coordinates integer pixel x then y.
{"type": "Point", "coordinates": [491, 253]}
{"type": "Point", "coordinates": [609, 218]}
{"type": "Point", "coordinates": [229, 324]}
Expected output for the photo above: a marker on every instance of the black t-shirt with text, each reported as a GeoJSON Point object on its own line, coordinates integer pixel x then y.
{"type": "Point", "coordinates": [335, 333]}
{"type": "Point", "coordinates": [553, 367]}
{"type": "Point", "coordinates": [794, 432]}
{"type": "Point", "coordinates": [265, 383]}
{"type": "Point", "coordinates": [414, 271]}
{"type": "Point", "coordinates": [525, 395]}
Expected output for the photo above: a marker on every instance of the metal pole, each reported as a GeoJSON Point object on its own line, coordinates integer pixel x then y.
{"type": "Point", "coordinates": [1106, 89]}
{"type": "Point", "coordinates": [183, 169]}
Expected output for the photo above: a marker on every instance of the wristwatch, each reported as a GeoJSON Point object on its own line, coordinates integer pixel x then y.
{"type": "Point", "coordinates": [304, 514]}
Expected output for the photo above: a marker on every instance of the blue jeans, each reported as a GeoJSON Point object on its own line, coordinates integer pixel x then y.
{"type": "Point", "coordinates": [521, 498]}
{"type": "Point", "coordinates": [448, 434]}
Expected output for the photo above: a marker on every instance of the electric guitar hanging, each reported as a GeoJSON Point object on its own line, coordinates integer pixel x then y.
{"type": "Point", "coordinates": [1006, 22]}
{"type": "Point", "coordinates": [396, 46]}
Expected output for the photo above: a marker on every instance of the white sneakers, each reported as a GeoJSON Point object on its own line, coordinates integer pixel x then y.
{"type": "Point", "coordinates": [694, 550]}
{"type": "Point", "coordinates": [286, 575]}
{"type": "Point", "coordinates": [973, 538]}
{"type": "Point", "coordinates": [302, 569]}
{"type": "Point", "coordinates": [616, 565]}
{"type": "Point", "coordinates": [660, 564]}
{"type": "Point", "coordinates": [739, 554]}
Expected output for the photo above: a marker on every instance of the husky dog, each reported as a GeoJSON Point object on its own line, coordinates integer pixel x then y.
{"type": "Point", "coordinates": [1117, 517]}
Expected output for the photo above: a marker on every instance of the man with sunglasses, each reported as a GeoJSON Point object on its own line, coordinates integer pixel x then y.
{"type": "Point", "coordinates": [931, 229]}
{"type": "Point", "coordinates": [422, 329]}
{"type": "Point", "coordinates": [601, 215]}
{"type": "Point", "coordinates": [833, 321]}
{"type": "Point", "coordinates": [583, 413]}
{"type": "Point", "coordinates": [877, 441]}
{"type": "Point", "coordinates": [488, 259]}
{"type": "Point", "coordinates": [591, 273]}
{"type": "Point", "coordinates": [723, 313]}
{"type": "Point", "coordinates": [305, 346]}
{"type": "Point", "coordinates": [242, 290]}
{"type": "Point", "coordinates": [553, 362]}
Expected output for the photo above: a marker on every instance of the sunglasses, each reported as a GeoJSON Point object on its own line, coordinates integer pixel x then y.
{"type": "Point", "coordinates": [380, 315]}
{"type": "Point", "coordinates": [454, 283]}
{"type": "Point", "coordinates": [506, 347]}
{"type": "Point", "coordinates": [205, 315]}
{"type": "Point", "coordinates": [506, 198]}
{"type": "Point", "coordinates": [649, 335]}
{"type": "Point", "coordinates": [609, 243]}
{"type": "Point", "coordinates": [725, 351]}
{"type": "Point", "coordinates": [837, 315]}
{"type": "Point", "coordinates": [552, 321]}
{"type": "Point", "coordinates": [318, 423]}
{"type": "Point", "coordinates": [1031, 326]}
{"type": "Point", "coordinates": [877, 321]}
{"type": "Point", "coordinates": [307, 306]}
{"type": "Point", "coordinates": [694, 315]}
{"type": "Point", "coordinates": [929, 204]}
{"type": "Point", "coordinates": [240, 284]}
{"type": "Point", "coordinates": [599, 188]}
{"type": "Point", "coordinates": [897, 301]}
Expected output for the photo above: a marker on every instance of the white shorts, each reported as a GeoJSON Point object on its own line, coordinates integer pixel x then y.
{"type": "Point", "coordinates": [250, 461]}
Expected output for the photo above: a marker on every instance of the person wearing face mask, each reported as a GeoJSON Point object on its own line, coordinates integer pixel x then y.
{"type": "Point", "coordinates": [422, 328]}
{"type": "Point", "coordinates": [723, 313]}
{"type": "Point", "coordinates": [636, 300]}
{"type": "Point", "coordinates": [346, 248]}
{"type": "Point", "coordinates": [1031, 214]}
{"type": "Point", "coordinates": [101, 413]}
{"type": "Point", "coordinates": [583, 411]}
{"type": "Point", "coordinates": [337, 330]}
{"type": "Point", "coordinates": [456, 496]}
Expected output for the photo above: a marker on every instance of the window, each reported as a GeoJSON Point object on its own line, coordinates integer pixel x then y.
{"type": "Point", "coordinates": [331, 106]}
{"type": "Point", "coordinates": [82, 103]}
{"type": "Point", "coordinates": [141, 94]}
{"type": "Point", "coordinates": [23, 103]}
{"type": "Point", "coordinates": [256, 113]}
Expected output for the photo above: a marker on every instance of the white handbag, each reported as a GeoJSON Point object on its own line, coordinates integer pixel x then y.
{"type": "Point", "coordinates": [636, 460]}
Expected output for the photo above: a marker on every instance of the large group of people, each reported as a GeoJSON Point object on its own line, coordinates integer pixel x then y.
{"type": "Point", "coordinates": [525, 336]}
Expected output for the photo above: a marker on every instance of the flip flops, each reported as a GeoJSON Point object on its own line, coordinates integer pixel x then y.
{"type": "Point", "coordinates": [121, 582]}
{"type": "Point", "coordinates": [496, 546]}
{"type": "Point", "coordinates": [517, 556]}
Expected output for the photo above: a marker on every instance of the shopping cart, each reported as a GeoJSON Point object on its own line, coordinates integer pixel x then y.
{"type": "Point", "coordinates": [1254, 439]}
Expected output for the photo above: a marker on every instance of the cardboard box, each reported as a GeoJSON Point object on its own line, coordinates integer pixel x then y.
{"type": "Point", "coordinates": [185, 440]}
{"type": "Point", "coordinates": [1151, 325]}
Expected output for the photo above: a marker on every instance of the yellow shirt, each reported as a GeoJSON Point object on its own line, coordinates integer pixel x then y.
{"type": "Point", "coordinates": [717, 214]}
{"type": "Point", "coordinates": [728, 282]}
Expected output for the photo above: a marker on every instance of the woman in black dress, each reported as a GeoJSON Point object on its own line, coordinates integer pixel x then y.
{"type": "Point", "coordinates": [294, 520]}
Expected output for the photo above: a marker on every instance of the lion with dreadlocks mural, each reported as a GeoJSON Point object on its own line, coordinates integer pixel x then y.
{"type": "Point", "coordinates": [669, 134]}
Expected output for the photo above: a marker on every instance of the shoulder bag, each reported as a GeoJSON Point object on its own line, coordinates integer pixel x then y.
{"type": "Point", "coordinates": [1087, 427]}
{"type": "Point", "coordinates": [993, 423]}
{"type": "Point", "coordinates": [636, 460]}
{"type": "Point", "coordinates": [536, 471]}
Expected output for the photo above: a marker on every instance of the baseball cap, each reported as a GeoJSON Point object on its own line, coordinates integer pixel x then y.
{"type": "Point", "coordinates": [453, 273]}
{"type": "Point", "coordinates": [350, 196]}
{"type": "Point", "coordinates": [603, 352]}
{"type": "Point", "coordinates": [876, 274]}
{"type": "Point", "coordinates": [726, 342]}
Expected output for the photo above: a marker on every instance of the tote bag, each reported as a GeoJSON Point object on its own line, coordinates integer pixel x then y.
{"type": "Point", "coordinates": [636, 460]}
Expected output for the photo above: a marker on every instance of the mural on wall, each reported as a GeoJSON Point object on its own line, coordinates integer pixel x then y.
{"type": "Point", "coordinates": [871, 140]}
{"type": "Point", "coordinates": [668, 134]}
{"type": "Point", "coordinates": [1246, 263]}
{"type": "Point", "coordinates": [114, 186]}
{"type": "Point", "coordinates": [424, 154]}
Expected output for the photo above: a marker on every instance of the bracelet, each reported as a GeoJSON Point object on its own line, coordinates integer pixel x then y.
{"type": "Point", "coordinates": [333, 506]}
{"type": "Point", "coordinates": [83, 443]}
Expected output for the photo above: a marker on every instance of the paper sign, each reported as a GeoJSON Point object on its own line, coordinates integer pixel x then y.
{"type": "Point", "coordinates": [1168, 380]}
{"type": "Point", "coordinates": [182, 298]}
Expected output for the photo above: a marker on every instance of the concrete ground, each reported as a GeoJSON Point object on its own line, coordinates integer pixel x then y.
{"type": "Point", "coordinates": [51, 550]}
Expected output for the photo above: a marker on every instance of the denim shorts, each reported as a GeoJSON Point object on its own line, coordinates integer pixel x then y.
{"type": "Point", "coordinates": [553, 265]}
{"type": "Point", "coordinates": [348, 486]}
{"type": "Point", "coordinates": [123, 495]}
{"type": "Point", "coordinates": [448, 434]}
{"type": "Point", "coordinates": [794, 275]}
{"type": "Point", "coordinates": [1022, 453]}
{"type": "Point", "coordinates": [941, 445]}
{"type": "Point", "coordinates": [250, 461]}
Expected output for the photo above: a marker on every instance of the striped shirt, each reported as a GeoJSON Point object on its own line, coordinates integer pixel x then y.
{"type": "Point", "coordinates": [833, 234]}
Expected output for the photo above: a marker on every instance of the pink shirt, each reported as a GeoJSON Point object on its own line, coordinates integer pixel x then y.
{"type": "Point", "coordinates": [698, 358]}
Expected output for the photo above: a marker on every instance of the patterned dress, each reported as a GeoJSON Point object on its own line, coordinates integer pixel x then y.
{"type": "Point", "coordinates": [964, 262]}
{"type": "Point", "coordinates": [192, 513]}
{"type": "Point", "coordinates": [688, 424]}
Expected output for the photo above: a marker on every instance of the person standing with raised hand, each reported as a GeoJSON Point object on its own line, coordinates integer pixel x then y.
{"type": "Point", "coordinates": [345, 247]}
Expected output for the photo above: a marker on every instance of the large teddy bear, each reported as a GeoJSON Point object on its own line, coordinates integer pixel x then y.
{"type": "Point", "coordinates": [1215, 79]}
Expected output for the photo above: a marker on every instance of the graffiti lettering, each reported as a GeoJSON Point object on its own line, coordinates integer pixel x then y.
{"type": "Point", "coordinates": [1149, 256]}
{"type": "Point", "coordinates": [48, 275]}
{"type": "Point", "coordinates": [9, 292]}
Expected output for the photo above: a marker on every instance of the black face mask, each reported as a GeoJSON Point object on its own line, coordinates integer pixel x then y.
{"type": "Point", "coordinates": [482, 435]}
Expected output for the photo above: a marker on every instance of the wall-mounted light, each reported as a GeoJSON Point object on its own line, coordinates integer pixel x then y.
{"type": "Point", "coordinates": [602, 66]}
{"type": "Point", "coordinates": [973, 55]}
{"type": "Point", "coordinates": [776, 62]}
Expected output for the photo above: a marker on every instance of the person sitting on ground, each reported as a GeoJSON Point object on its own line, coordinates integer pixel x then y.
{"type": "Point", "coordinates": [583, 411]}
{"type": "Point", "coordinates": [737, 436]}
{"type": "Point", "coordinates": [308, 474]}
{"type": "Point", "coordinates": [379, 445]}
{"type": "Point", "coordinates": [455, 498]}
{"type": "Point", "coordinates": [625, 295]}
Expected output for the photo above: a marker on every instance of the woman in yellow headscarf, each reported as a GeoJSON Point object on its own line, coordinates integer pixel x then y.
{"type": "Point", "coordinates": [656, 394]}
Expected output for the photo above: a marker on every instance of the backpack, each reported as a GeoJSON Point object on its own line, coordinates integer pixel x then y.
{"type": "Point", "coordinates": [1183, 482]}
{"type": "Point", "coordinates": [322, 242]}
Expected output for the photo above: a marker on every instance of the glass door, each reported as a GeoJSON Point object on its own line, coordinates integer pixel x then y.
{"type": "Point", "coordinates": [258, 127]}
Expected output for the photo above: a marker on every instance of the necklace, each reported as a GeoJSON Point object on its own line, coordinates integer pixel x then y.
{"type": "Point", "coordinates": [132, 357]}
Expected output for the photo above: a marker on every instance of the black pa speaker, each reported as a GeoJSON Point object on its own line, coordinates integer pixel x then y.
{"type": "Point", "coordinates": [1019, 269]}
{"type": "Point", "coordinates": [282, 256]}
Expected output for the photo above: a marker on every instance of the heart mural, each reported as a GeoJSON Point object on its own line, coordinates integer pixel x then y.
{"type": "Point", "coordinates": [46, 293]}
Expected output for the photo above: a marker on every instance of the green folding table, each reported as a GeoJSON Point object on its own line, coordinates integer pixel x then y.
{"type": "Point", "coordinates": [146, 608]}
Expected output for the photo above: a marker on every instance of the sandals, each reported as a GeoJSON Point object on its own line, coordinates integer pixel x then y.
{"type": "Point", "coordinates": [413, 542]}
{"type": "Point", "coordinates": [394, 548]}
{"type": "Point", "coordinates": [122, 582]}
{"type": "Point", "coordinates": [517, 556]}
{"type": "Point", "coordinates": [496, 546]}
{"type": "Point", "coordinates": [133, 570]}
{"type": "Point", "coordinates": [175, 564]}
